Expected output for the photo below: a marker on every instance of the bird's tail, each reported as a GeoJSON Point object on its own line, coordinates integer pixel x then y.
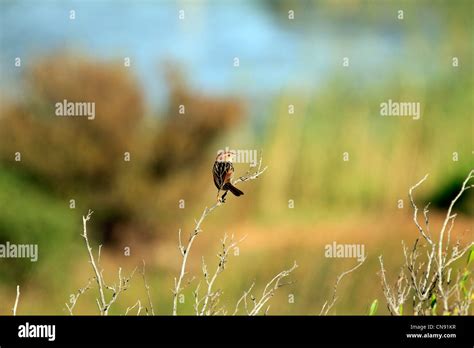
{"type": "Point", "coordinates": [234, 190]}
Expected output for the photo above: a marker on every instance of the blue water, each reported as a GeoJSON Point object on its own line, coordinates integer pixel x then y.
{"type": "Point", "coordinates": [275, 54]}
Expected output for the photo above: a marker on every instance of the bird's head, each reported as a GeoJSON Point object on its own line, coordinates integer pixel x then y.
{"type": "Point", "coordinates": [227, 156]}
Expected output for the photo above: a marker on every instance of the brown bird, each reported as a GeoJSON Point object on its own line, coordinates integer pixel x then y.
{"type": "Point", "coordinates": [222, 172]}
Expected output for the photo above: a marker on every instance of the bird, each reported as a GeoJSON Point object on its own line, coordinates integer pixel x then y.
{"type": "Point", "coordinates": [222, 172]}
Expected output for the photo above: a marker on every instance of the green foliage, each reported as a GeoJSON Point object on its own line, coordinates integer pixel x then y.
{"type": "Point", "coordinates": [373, 307]}
{"type": "Point", "coordinates": [386, 154]}
{"type": "Point", "coordinates": [31, 216]}
{"type": "Point", "coordinates": [470, 256]}
{"type": "Point", "coordinates": [433, 304]}
{"type": "Point", "coordinates": [463, 281]}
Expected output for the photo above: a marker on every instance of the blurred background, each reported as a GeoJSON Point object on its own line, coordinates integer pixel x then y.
{"type": "Point", "coordinates": [191, 62]}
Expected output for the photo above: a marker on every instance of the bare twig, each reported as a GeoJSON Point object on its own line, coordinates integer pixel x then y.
{"type": "Point", "coordinates": [123, 282]}
{"type": "Point", "coordinates": [98, 276]}
{"type": "Point", "coordinates": [185, 253]}
{"type": "Point", "coordinates": [251, 175]}
{"type": "Point", "coordinates": [70, 306]}
{"type": "Point", "coordinates": [464, 188]}
{"type": "Point", "coordinates": [393, 302]}
{"type": "Point", "coordinates": [328, 305]}
{"type": "Point", "coordinates": [137, 304]}
{"type": "Point", "coordinates": [185, 250]}
{"type": "Point", "coordinates": [449, 216]}
{"type": "Point", "coordinates": [244, 299]}
{"type": "Point", "coordinates": [428, 280]}
{"type": "Point", "coordinates": [415, 210]}
{"type": "Point", "coordinates": [147, 288]}
{"type": "Point", "coordinates": [15, 306]}
{"type": "Point", "coordinates": [268, 292]}
{"type": "Point", "coordinates": [210, 294]}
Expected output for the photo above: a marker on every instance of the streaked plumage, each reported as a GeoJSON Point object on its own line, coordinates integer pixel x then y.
{"type": "Point", "coordinates": [222, 172]}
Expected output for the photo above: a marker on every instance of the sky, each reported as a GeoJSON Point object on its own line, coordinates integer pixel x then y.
{"type": "Point", "coordinates": [274, 53]}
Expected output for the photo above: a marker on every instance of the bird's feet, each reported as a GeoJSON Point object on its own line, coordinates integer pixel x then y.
{"type": "Point", "coordinates": [221, 199]}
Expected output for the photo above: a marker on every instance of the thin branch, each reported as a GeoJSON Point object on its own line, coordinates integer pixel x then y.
{"type": "Point", "coordinates": [15, 306]}
{"type": "Point", "coordinates": [251, 176]}
{"type": "Point", "coordinates": [441, 261]}
{"type": "Point", "coordinates": [147, 288]}
{"type": "Point", "coordinates": [448, 214]}
{"type": "Point", "coordinates": [327, 307]}
{"type": "Point", "coordinates": [75, 297]}
{"type": "Point", "coordinates": [185, 250]}
{"type": "Point", "coordinates": [210, 295]}
{"type": "Point", "coordinates": [185, 253]}
{"type": "Point", "coordinates": [391, 301]}
{"type": "Point", "coordinates": [270, 289]}
{"type": "Point", "coordinates": [458, 254]}
{"type": "Point", "coordinates": [415, 210]}
{"type": "Point", "coordinates": [103, 305]}
{"type": "Point", "coordinates": [428, 281]}
{"type": "Point", "coordinates": [98, 275]}
{"type": "Point", "coordinates": [139, 304]}
{"type": "Point", "coordinates": [244, 299]}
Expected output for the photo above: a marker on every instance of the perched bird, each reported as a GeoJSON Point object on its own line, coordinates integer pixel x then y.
{"type": "Point", "coordinates": [222, 173]}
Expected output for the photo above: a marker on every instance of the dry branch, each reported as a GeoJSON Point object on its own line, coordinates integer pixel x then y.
{"type": "Point", "coordinates": [211, 297]}
{"type": "Point", "coordinates": [73, 301]}
{"type": "Point", "coordinates": [328, 305]}
{"type": "Point", "coordinates": [258, 303]}
{"type": "Point", "coordinates": [147, 288]}
{"type": "Point", "coordinates": [116, 290]}
{"type": "Point", "coordinates": [15, 306]}
{"type": "Point", "coordinates": [426, 274]}
{"type": "Point", "coordinates": [185, 250]}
